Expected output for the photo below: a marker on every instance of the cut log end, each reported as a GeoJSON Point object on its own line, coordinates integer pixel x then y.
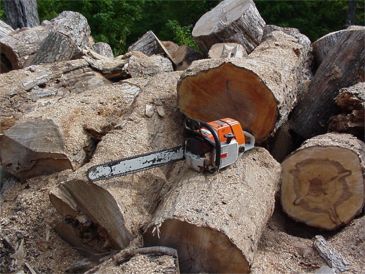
{"type": "Point", "coordinates": [215, 251]}
{"type": "Point", "coordinates": [323, 186]}
{"type": "Point", "coordinates": [229, 91]}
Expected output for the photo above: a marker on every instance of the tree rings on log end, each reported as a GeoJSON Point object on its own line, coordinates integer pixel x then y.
{"type": "Point", "coordinates": [229, 91]}
{"type": "Point", "coordinates": [201, 249]}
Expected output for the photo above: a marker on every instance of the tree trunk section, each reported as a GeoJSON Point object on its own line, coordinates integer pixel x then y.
{"type": "Point", "coordinates": [21, 13]}
{"type": "Point", "coordinates": [5, 29]}
{"type": "Point", "coordinates": [136, 195]}
{"type": "Point", "coordinates": [103, 49]}
{"type": "Point", "coordinates": [20, 47]}
{"type": "Point", "coordinates": [323, 46]}
{"type": "Point", "coordinates": [215, 221]}
{"type": "Point", "coordinates": [235, 21]}
{"type": "Point", "coordinates": [323, 183]}
{"type": "Point", "coordinates": [351, 100]}
{"type": "Point", "coordinates": [343, 67]}
{"type": "Point", "coordinates": [25, 90]}
{"type": "Point", "coordinates": [48, 140]}
{"type": "Point", "coordinates": [259, 91]}
{"type": "Point", "coordinates": [226, 50]}
{"type": "Point", "coordinates": [184, 56]}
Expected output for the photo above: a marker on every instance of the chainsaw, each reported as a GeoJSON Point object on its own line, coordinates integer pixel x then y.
{"type": "Point", "coordinates": [208, 147]}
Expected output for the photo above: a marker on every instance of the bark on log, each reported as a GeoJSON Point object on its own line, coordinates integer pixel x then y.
{"type": "Point", "coordinates": [215, 221]}
{"type": "Point", "coordinates": [21, 13]}
{"type": "Point", "coordinates": [351, 100]}
{"type": "Point", "coordinates": [343, 67]}
{"type": "Point", "coordinates": [120, 206]}
{"type": "Point", "coordinates": [323, 46]}
{"type": "Point", "coordinates": [48, 140]}
{"type": "Point", "coordinates": [236, 21]}
{"type": "Point", "coordinates": [22, 91]}
{"type": "Point", "coordinates": [323, 181]}
{"type": "Point", "coordinates": [5, 29]}
{"type": "Point", "coordinates": [259, 91]}
{"type": "Point", "coordinates": [19, 48]}
{"type": "Point", "coordinates": [103, 49]}
{"type": "Point", "coordinates": [227, 50]}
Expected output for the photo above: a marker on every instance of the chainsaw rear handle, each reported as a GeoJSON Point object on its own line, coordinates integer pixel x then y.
{"type": "Point", "coordinates": [251, 139]}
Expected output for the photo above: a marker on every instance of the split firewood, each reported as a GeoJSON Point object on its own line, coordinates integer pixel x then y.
{"type": "Point", "coordinates": [184, 56]}
{"type": "Point", "coordinates": [323, 46]}
{"type": "Point", "coordinates": [351, 100]}
{"type": "Point", "coordinates": [103, 49]}
{"type": "Point", "coordinates": [20, 47]}
{"type": "Point", "coordinates": [21, 13]}
{"type": "Point", "coordinates": [343, 67]}
{"type": "Point", "coordinates": [235, 21]}
{"type": "Point", "coordinates": [5, 29]}
{"type": "Point", "coordinates": [149, 44]}
{"type": "Point", "coordinates": [227, 50]}
{"type": "Point", "coordinates": [54, 138]}
{"type": "Point", "coordinates": [25, 90]}
{"type": "Point", "coordinates": [323, 183]}
{"type": "Point", "coordinates": [259, 91]}
{"type": "Point", "coordinates": [215, 221]}
{"type": "Point", "coordinates": [332, 257]}
{"type": "Point", "coordinates": [120, 206]}
{"type": "Point", "coordinates": [170, 46]}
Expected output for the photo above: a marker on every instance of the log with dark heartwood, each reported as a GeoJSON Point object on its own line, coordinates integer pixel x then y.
{"type": "Point", "coordinates": [259, 91]}
{"type": "Point", "coordinates": [21, 47]}
{"type": "Point", "coordinates": [343, 67]}
{"type": "Point", "coordinates": [63, 135]}
{"type": "Point", "coordinates": [120, 206]}
{"type": "Point", "coordinates": [21, 13]}
{"type": "Point", "coordinates": [236, 21]}
{"type": "Point", "coordinates": [25, 90]}
{"type": "Point", "coordinates": [215, 221]}
{"type": "Point", "coordinates": [323, 181]}
{"type": "Point", "coordinates": [351, 100]}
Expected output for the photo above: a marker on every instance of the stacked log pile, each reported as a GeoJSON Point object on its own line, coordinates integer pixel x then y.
{"type": "Point", "coordinates": [68, 105]}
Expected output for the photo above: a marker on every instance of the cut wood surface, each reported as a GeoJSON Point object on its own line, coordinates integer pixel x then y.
{"type": "Point", "coordinates": [215, 221]}
{"type": "Point", "coordinates": [136, 195]}
{"type": "Point", "coordinates": [61, 136]}
{"type": "Point", "coordinates": [227, 50]}
{"type": "Point", "coordinates": [21, 13]}
{"type": "Point", "coordinates": [259, 91]}
{"type": "Point", "coordinates": [184, 56]}
{"type": "Point", "coordinates": [351, 100]}
{"type": "Point", "coordinates": [103, 49]}
{"type": "Point", "coordinates": [343, 67]}
{"type": "Point", "coordinates": [19, 48]}
{"type": "Point", "coordinates": [323, 181]}
{"type": "Point", "coordinates": [323, 46]}
{"type": "Point", "coordinates": [235, 21]}
{"type": "Point", "coordinates": [5, 29]}
{"type": "Point", "coordinates": [22, 91]}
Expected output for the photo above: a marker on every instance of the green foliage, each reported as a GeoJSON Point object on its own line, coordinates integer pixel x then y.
{"type": "Point", "coordinates": [181, 34]}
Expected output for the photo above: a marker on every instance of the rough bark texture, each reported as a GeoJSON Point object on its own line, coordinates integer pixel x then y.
{"type": "Point", "coordinates": [323, 181]}
{"type": "Point", "coordinates": [323, 46]}
{"type": "Point", "coordinates": [215, 221]}
{"type": "Point", "coordinates": [149, 44]}
{"type": "Point", "coordinates": [236, 21]}
{"type": "Point", "coordinates": [19, 48]}
{"type": "Point", "coordinates": [259, 91]}
{"type": "Point", "coordinates": [5, 29]}
{"type": "Point", "coordinates": [63, 135]}
{"type": "Point", "coordinates": [25, 90]}
{"type": "Point", "coordinates": [351, 100]}
{"type": "Point", "coordinates": [21, 13]}
{"type": "Point", "coordinates": [135, 195]}
{"type": "Point", "coordinates": [343, 67]}
{"type": "Point", "coordinates": [226, 50]}
{"type": "Point", "coordinates": [103, 49]}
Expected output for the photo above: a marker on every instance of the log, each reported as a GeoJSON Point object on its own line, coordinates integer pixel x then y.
{"type": "Point", "coordinates": [343, 67]}
{"type": "Point", "coordinates": [236, 21]}
{"type": "Point", "coordinates": [323, 46]}
{"type": "Point", "coordinates": [21, 13]}
{"type": "Point", "coordinates": [170, 46]}
{"type": "Point", "coordinates": [351, 100]}
{"type": "Point", "coordinates": [140, 66]}
{"type": "Point", "coordinates": [227, 50]}
{"type": "Point", "coordinates": [323, 183]}
{"type": "Point", "coordinates": [120, 206]}
{"type": "Point", "coordinates": [48, 140]}
{"type": "Point", "coordinates": [19, 48]}
{"type": "Point", "coordinates": [215, 221]}
{"type": "Point", "coordinates": [103, 49]}
{"type": "Point", "coordinates": [5, 29]}
{"type": "Point", "coordinates": [24, 90]}
{"type": "Point", "coordinates": [259, 91]}
{"type": "Point", "coordinates": [184, 56]}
